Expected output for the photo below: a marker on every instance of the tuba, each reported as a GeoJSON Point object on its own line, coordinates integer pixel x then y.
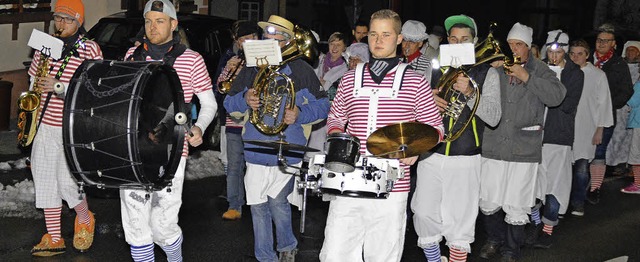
{"type": "Point", "coordinates": [29, 101]}
{"type": "Point", "coordinates": [485, 51]}
{"type": "Point", "coordinates": [276, 90]}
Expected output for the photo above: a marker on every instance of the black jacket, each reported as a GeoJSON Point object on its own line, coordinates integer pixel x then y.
{"type": "Point", "coordinates": [619, 79]}
{"type": "Point", "coordinates": [559, 126]}
{"type": "Point", "coordinates": [470, 142]}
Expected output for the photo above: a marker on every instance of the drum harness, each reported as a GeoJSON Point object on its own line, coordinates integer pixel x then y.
{"type": "Point", "coordinates": [375, 94]}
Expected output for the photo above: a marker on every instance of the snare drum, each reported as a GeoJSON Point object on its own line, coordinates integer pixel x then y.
{"type": "Point", "coordinates": [343, 151]}
{"type": "Point", "coordinates": [372, 178]}
{"type": "Point", "coordinates": [111, 109]}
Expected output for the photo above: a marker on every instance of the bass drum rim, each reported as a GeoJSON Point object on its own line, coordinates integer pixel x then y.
{"type": "Point", "coordinates": [144, 182]}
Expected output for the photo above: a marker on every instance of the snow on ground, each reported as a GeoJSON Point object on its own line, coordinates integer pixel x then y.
{"type": "Point", "coordinates": [18, 200]}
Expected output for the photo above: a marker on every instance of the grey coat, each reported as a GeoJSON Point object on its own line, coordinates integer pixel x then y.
{"type": "Point", "coordinates": [523, 107]}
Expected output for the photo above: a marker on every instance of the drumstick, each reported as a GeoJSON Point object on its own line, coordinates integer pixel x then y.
{"type": "Point", "coordinates": [181, 119]}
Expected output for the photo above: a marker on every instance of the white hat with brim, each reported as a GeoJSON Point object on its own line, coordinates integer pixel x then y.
{"type": "Point", "coordinates": [279, 23]}
{"type": "Point", "coordinates": [414, 31]}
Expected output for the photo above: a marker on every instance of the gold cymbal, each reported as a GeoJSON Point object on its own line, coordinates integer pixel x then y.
{"type": "Point", "coordinates": [286, 146]}
{"type": "Point", "coordinates": [402, 140]}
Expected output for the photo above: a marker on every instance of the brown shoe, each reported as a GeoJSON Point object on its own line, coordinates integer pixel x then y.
{"type": "Point", "coordinates": [83, 234]}
{"type": "Point", "coordinates": [232, 214]}
{"type": "Point", "coordinates": [47, 247]}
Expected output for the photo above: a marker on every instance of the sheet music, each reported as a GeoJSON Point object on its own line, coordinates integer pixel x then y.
{"type": "Point", "coordinates": [46, 43]}
{"type": "Point", "coordinates": [457, 55]}
{"type": "Point", "coordinates": [262, 52]}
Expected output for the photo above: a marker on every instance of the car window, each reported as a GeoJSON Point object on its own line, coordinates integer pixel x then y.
{"type": "Point", "coordinates": [115, 34]}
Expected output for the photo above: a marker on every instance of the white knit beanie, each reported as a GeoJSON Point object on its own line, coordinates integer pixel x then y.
{"type": "Point", "coordinates": [521, 32]}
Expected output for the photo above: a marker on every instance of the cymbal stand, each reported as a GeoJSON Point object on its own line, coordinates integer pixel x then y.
{"type": "Point", "coordinates": [304, 185]}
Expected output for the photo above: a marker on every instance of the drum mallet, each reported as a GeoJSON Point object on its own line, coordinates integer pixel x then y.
{"type": "Point", "coordinates": [181, 119]}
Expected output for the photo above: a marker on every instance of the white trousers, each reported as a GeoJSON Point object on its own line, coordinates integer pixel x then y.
{"type": "Point", "coordinates": [510, 186]}
{"type": "Point", "coordinates": [153, 220]}
{"type": "Point", "coordinates": [554, 174]}
{"type": "Point", "coordinates": [445, 202]}
{"type": "Point", "coordinates": [51, 175]}
{"type": "Point", "coordinates": [359, 228]}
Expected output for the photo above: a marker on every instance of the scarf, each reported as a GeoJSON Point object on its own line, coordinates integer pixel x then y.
{"type": "Point", "coordinates": [378, 68]}
{"type": "Point", "coordinates": [156, 52]}
{"type": "Point", "coordinates": [601, 60]}
{"type": "Point", "coordinates": [328, 64]}
{"type": "Point", "coordinates": [413, 56]}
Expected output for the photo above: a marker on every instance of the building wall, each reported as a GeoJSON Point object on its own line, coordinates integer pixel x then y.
{"type": "Point", "coordinates": [229, 8]}
{"type": "Point", "coordinates": [16, 52]}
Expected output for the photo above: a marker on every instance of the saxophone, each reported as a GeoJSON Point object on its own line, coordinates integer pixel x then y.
{"type": "Point", "coordinates": [29, 102]}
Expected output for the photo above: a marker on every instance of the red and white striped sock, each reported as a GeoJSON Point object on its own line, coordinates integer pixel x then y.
{"type": "Point", "coordinates": [52, 221]}
{"type": "Point", "coordinates": [82, 210]}
{"type": "Point", "coordinates": [457, 255]}
{"type": "Point", "coordinates": [597, 175]}
{"type": "Point", "coordinates": [636, 174]}
{"type": "Point", "coordinates": [547, 229]}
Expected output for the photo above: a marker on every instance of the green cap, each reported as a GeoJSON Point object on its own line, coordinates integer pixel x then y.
{"type": "Point", "coordinates": [460, 19]}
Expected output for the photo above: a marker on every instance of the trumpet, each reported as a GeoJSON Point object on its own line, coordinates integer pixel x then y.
{"type": "Point", "coordinates": [509, 62]}
{"type": "Point", "coordinates": [225, 86]}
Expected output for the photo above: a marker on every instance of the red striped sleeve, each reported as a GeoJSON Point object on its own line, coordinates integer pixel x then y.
{"type": "Point", "coordinates": [193, 76]}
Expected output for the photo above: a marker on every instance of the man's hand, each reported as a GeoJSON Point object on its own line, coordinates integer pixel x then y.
{"type": "Point", "coordinates": [462, 85]}
{"type": "Point", "coordinates": [46, 83]}
{"type": "Point", "coordinates": [196, 138]}
{"type": "Point", "coordinates": [440, 102]}
{"type": "Point", "coordinates": [291, 115]}
{"type": "Point", "coordinates": [233, 63]}
{"type": "Point", "coordinates": [518, 72]}
{"type": "Point", "coordinates": [597, 136]}
{"type": "Point", "coordinates": [409, 160]}
{"type": "Point", "coordinates": [497, 64]}
{"type": "Point", "coordinates": [252, 99]}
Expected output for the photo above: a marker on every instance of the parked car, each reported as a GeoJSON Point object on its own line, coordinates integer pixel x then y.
{"type": "Point", "coordinates": [208, 35]}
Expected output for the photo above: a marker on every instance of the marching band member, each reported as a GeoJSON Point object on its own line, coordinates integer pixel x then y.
{"type": "Point", "coordinates": [51, 174]}
{"type": "Point", "coordinates": [231, 146]}
{"type": "Point", "coordinates": [373, 229]}
{"type": "Point", "coordinates": [155, 219]}
{"type": "Point", "coordinates": [448, 184]}
{"type": "Point", "coordinates": [513, 149]}
{"type": "Point", "coordinates": [554, 172]}
{"type": "Point", "coordinates": [267, 184]}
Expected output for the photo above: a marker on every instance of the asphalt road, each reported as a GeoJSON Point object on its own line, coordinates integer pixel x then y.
{"type": "Point", "coordinates": [608, 230]}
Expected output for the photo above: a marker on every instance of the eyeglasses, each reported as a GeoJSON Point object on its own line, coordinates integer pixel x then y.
{"type": "Point", "coordinates": [604, 41]}
{"type": "Point", "coordinates": [67, 20]}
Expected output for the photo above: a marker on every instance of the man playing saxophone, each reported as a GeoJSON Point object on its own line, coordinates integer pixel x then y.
{"type": "Point", "coordinates": [51, 175]}
{"type": "Point", "coordinates": [448, 182]}
{"type": "Point", "coordinates": [267, 184]}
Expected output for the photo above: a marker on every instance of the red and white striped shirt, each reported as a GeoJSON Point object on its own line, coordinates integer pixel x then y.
{"type": "Point", "coordinates": [414, 102]}
{"type": "Point", "coordinates": [53, 114]}
{"type": "Point", "coordinates": [193, 75]}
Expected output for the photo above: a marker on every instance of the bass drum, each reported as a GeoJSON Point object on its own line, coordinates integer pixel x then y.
{"type": "Point", "coordinates": [118, 125]}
